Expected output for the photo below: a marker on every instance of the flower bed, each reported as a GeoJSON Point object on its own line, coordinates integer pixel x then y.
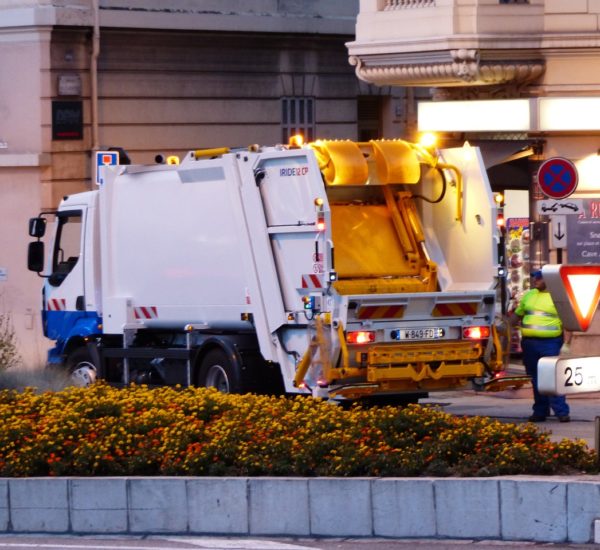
{"type": "Point", "coordinates": [102, 431]}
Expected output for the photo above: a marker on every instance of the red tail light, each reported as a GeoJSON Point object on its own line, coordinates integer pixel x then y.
{"type": "Point", "coordinates": [476, 333]}
{"type": "Point", "coordinates": [360, 337]}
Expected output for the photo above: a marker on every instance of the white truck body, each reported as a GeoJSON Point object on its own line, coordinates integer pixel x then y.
{"type": "Point", "coordinates": [232, 246]}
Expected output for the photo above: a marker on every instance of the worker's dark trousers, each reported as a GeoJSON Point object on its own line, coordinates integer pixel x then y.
{"type": "Point", "coordinates": [533, 349]}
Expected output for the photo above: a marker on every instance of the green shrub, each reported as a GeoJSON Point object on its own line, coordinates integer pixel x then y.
{"type": "Point", "coordinates": [9, 354]}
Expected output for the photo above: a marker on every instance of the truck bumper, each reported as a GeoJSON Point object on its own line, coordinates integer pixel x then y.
{"type": "Point", "coordinates": [412, 368]}
{"type": "Point", "coordinates": [55, 355]}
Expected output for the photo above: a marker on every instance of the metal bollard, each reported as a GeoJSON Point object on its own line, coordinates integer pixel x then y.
{"type": "Point", "coordinates": [597, 437]}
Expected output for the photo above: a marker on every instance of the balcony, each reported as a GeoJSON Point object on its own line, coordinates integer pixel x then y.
{"type": "Point", "coordinates": [468, 44]}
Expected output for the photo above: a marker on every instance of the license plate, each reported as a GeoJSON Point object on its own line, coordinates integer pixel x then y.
{"type": "Point", "coordinates": [425, 333]}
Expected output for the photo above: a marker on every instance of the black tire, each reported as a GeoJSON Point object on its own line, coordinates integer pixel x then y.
{"type": "Point", "coordinates": [81, 368]}
{"type": "Point", "coordinates": [218, 371]}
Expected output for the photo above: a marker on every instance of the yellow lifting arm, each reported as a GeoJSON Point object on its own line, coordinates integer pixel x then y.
{"type": "Point", "coordinates": [408, 244]}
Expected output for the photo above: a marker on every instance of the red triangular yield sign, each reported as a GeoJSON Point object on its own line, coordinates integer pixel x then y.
{"type": "Point", "coordinates": [582, 284]}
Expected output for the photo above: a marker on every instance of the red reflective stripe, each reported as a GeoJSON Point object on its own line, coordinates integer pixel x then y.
{"type": "Point", "coordinates": [442, 310]}
{"type": "Point", "coordinates": [57, 304]}
{"type": "Point", "coordinates": [315, 281]}
{"type": "Point", "coordinates": [380, 312]}
{"type": "Point", "coordinates": [447, 310]}
{"type": "Point", "coordinates": [394, 311]}
{"type": "Point", "coordinates": [145, 312]}
{"type": "Point", "coordinates": [311, 281]}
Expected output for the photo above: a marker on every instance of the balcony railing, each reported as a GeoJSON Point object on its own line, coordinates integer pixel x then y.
{"type": "Point", "coordinates": [403, 4]}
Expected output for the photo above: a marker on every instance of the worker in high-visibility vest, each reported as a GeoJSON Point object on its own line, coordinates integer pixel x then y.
{"type": "Point", "coordinates": [541, 336]}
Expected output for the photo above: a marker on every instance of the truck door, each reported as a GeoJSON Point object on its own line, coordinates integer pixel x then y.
{"type": "Point", "coordinates": [64, 296]}
{"type": "Point", "coordinates": [289, 189]}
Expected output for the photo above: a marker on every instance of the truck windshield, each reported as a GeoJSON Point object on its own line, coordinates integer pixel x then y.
{"type": "Point", "coordinates": [67, 246]}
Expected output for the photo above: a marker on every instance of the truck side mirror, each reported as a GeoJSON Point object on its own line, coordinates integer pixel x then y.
{"type": "Point", "coordinates": [35, 256]}
{"type": "Point", "coordinates": [37, 227]}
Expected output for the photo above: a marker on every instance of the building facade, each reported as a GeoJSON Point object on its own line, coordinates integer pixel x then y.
{"type": "Point", "coordinates": [534, 64]}
{"type": "Point", "coordinates": [83, 75]}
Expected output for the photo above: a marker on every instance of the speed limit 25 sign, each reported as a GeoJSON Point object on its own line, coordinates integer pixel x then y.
{"type": "Point", "coordinates": [563, 376]}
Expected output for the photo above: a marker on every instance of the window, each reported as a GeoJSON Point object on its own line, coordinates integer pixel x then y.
{"type": "Point", "coordinates": [297, 117]}
{"type": "Point", "coordinates": [369, 117]}
{"type": "Point", "coordinates": [67, 246]}
{"type": "Point", "coordinates": [514, 1]}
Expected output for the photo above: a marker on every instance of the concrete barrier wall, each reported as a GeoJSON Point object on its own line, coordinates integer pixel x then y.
{"type": "Point", "coordinates": [543, 509]}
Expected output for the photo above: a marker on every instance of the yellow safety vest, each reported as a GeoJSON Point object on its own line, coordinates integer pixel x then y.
{"type": "Point", "coordinates": [540, 319]}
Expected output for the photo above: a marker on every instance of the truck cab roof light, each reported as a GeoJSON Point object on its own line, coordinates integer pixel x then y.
{"type": "Point", "coordinates": [296, 141]}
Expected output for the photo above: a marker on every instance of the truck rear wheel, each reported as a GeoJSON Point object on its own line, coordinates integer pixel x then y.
{"type": "Point", "coordinates": [218, 371]}
{"type": "Point", "coordinates": [81, 368]}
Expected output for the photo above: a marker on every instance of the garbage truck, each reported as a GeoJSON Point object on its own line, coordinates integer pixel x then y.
{"type": "Point", "coordinates": [337, 269]}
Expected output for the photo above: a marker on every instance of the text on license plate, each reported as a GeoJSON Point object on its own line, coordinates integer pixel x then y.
{"type": "Point", "coordinates": [425, 333]}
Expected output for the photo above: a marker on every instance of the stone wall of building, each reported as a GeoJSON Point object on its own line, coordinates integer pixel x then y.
{"type": "Point", "coordinates": [195, 74]}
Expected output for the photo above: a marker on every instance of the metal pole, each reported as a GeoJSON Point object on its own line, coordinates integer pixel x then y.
{"type": "Point", "coordinates": [597, 437]}
{"type": "Point", "coordinates": [502, 279]}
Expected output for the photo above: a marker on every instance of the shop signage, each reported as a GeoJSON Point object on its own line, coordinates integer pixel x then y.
{"type": "Point", "coordinates": [583, 234]}
{"type": "Point", "coordinates": [67, 120]}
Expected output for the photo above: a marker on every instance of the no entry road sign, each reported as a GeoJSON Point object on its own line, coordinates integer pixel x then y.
{"type": "Point", "coordinates": [557, 178]}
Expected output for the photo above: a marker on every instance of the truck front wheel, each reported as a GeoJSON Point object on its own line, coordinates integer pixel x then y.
{"type": "Point", "coordinates": [81, 368]}
{"type": "Point", "coordinates": [218, 371]}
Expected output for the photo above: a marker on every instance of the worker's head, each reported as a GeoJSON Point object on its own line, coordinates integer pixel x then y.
{"type": "Point", "coordinates": [537, 279]}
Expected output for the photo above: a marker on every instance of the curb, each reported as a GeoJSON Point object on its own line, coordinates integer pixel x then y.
{"type": "Point", "coordinates": [530, 508]}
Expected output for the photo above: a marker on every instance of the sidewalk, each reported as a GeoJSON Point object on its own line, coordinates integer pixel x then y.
{"type": "Point", "coordinates": [515, 406]}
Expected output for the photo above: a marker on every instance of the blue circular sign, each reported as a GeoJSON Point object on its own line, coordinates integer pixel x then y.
{"type": "Point", "coordinates": [557, 178]}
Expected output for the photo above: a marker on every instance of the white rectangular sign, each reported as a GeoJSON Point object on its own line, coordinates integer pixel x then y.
{"type": "Point", "coordinates": [564, 376]}
{"type": "Point", "coordinates": [559, 231]}
{"type": "Point", "coordinates": [552, 207]}
{"type": "Point", "coordinates": [104, 158]}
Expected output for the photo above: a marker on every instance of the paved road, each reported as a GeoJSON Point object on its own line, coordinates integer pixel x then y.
{"type": "Point", "coordinates": [515, 406]}
{"type": "Point", "coordinates": [229, 543]}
